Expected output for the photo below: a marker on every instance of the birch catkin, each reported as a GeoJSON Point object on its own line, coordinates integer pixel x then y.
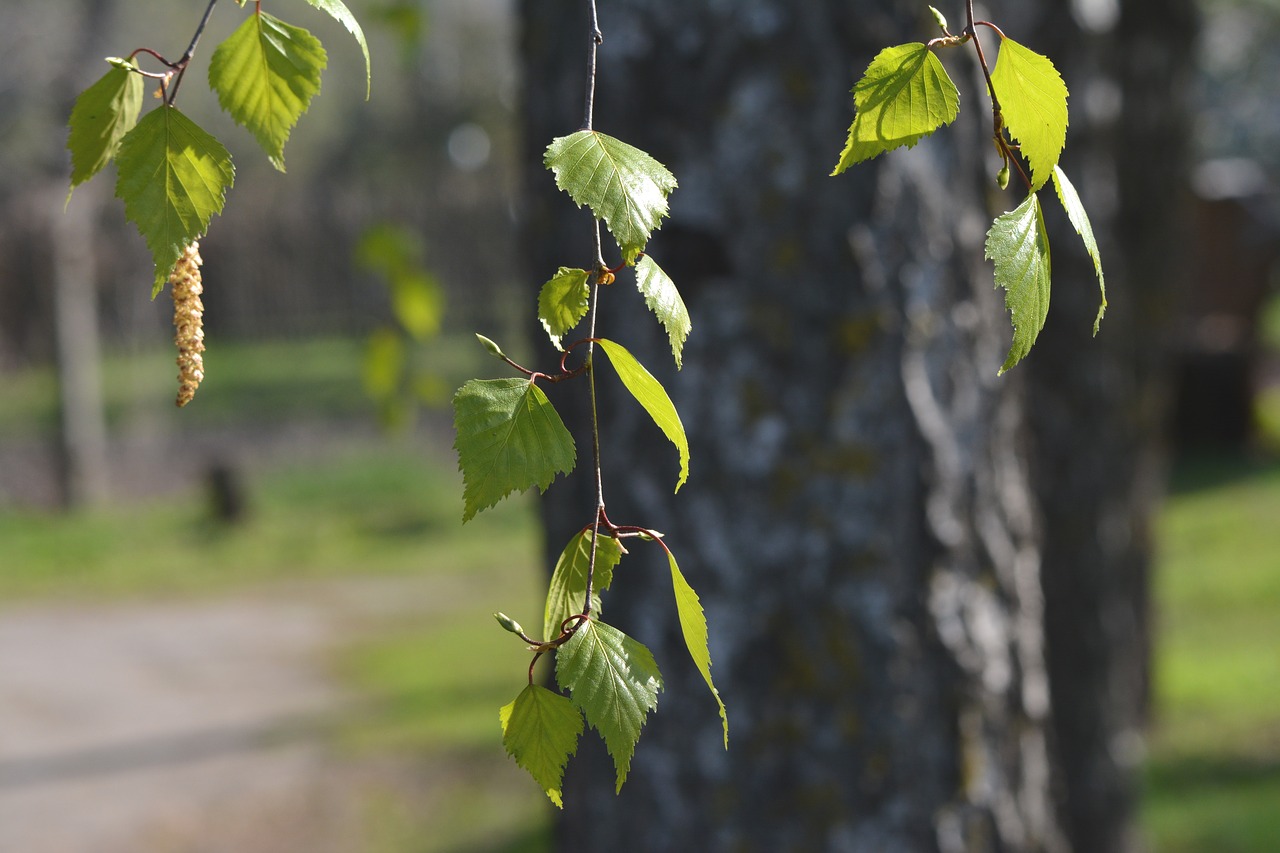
{"type": "Point", "coordinates": [188, 322]}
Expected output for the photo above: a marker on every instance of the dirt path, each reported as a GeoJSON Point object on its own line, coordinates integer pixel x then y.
{"type": "Point", "coordinates": [182, 726]}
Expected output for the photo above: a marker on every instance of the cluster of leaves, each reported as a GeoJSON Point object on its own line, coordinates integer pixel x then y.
{"type": "Point", "coordinates": [392, 376]}
{"type": "Point", "coordinates": [510, 438]}
{"type": "Point", "coordinates": [171, 174]}
{"type": "Point", "coordinates": [905, 95]}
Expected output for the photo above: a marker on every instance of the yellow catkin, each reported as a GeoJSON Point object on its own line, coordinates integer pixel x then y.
{"type": "Point", "coordinates": [188, 322]}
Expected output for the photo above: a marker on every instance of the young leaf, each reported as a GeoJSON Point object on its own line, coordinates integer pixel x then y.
{"type": "Point", "coordinates": [1018, 244]}
{"type": "Point", "coordinates": [651, 395]}
{"type": "Point", "coordinates": [664, 301]}
{"type": "Point", "coordinates": [563, 301]}
{"type": "Point", "coordinates": [540, 730]}
{"type": "Point", "coordinates": [1080, 221]}
{"type": "Point", "coordinates": [621, 184]}
{"type": "Point", "coordinates": [693, 624]}
{"type": "Point", "coordinates": [266, 74]}
{"type": "Point", "coordinates": [509, 437]}
{"type": "Point", "coordinates": [342, 15]}
{"type": "Point", "coordinates": [172, 177]}
{"type": "Point", "coordinates": [569, 580]}
{"type": "Point", "coordinates": [904, 95]}
{"type": "Point", "coordinates": [1033, 101]}
{"type": "Point", "coordinates": [102, 115]}
{"type": "Point", "coordinates": [615, 681]}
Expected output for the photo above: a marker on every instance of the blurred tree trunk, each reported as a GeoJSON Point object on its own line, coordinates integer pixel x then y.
{"type": "Point", "coordinates": [82, 416]}
{"type": "Point", "coordinates": [73, 270]}
{"type": "Point", "coordinates": [1097, 407]}
{"type": "Point", "coordinates": [859, 520]}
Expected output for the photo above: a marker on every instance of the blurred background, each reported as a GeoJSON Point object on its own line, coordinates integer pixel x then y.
{"type": "Point", "coordinates": [220, 627]}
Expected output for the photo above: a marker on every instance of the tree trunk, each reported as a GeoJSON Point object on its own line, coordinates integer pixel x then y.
{"type": "Point", "coordinates": [1097, 406]}
{"type": "Point", "coordinates": [82, 415]}
{"type": "Point", "coordinates": [858, 520]}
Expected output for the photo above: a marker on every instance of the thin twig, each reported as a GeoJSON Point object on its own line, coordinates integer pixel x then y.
{"type": "Point", "coordinates": [595, 417]}
{"type": "Point", "coordinates": [597, 39]}
{"type": "Point", "coordinates": [182, 63]}
{"type": "Point", "coordinates": [997, 117]}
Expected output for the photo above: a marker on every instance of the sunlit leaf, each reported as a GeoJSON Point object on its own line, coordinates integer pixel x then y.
{"type": "Point", "coordinates": [621, 184]}
{"type": "Point", "coordinates": [1019, 245]}
{"type": "Point", "coordinates": [653, 397]}
{"type": "Point", "coordinates": [342, 15]}
{"type": "Point", "coordinates": [172, 177]}
{"type": "Point", "coordinates": [1033, 101]}
{"type": "Point", "coordinates": [540, 730]}
{"type": "Point", "coordinates": [615, 681]}
{"type": "Point", "coordinates": [102, 115]}
{"type": "Point", "coordinates": [266, 74]}
{"type": "Point", "coordinates": [664, 301]}
{"type": "Point", "coordinates": [904, 95]}
{"type": "Point", "coordinates": [1080, 221]}
{"type": "Point", "coordinates": [568, 589]}
{"type": "Point", "coordinates": [563, 302]}
{"type": "Point", "coordinates": [693, 625]}
{"type": "Point", "coordinates": [509, 437]}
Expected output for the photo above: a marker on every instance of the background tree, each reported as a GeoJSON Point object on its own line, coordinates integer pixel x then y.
{"type": "Point", "coordinates": [859, 520]}
{"type": "Point", "coordinates": [1097, 408]}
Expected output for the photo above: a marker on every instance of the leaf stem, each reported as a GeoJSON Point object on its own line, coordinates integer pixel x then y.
{"type": "Point", "coordinates": [600, 271]}
{"type": "Point", "coordinates": [181, 64]}
{"type": "Point", "coordinates": [997, 117]}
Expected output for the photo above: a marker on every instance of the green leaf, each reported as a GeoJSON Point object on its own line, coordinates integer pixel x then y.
{"type": "Point", "coordinates": [693, 624]}
{"type": "Point", "coordinates": [1033, 101]}
{"type": "Point", "coordinates": [540, 730]}
{"type": "Point", "coordinates": [569, 580]}
{"type": "Point", "coordinates": [342, 15]}
{"type": "Point", "coordinates": [266, 74]}
{"type": "Point", "coordinates": [102, 115]}
{"type": "Point", "coordinates": [904, 95]}
{"type": "Point", "coordinates": [621, 184]}
{"type": "Point", "coordinates": [615, 681]}
{"type": "Point", "coordinates": [1080, 221]}
{"type": "Point", "coordinates": [172, 177]}
{"type": "Point", "coordinates": [384, 364]}
{"type": "Point", "coordinates": [653, 397]}
{"type": "Point", "coordinates": [417, 300]}
{"type": "Point", "coordinates": [509, 437]}
{"type": "Point", "coordinates": [664, 301]}
{"type": "Point", "coordinates": [563, 302]}
{"type": "Point", "coordinates": [1019, 245]}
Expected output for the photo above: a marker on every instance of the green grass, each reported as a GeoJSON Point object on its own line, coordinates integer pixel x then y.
{"type": "Point", "coordinates": [268, 382]}
{"type": "Point", "coordinates": [435, 690]}
{"type": "Point", "coordinates": [1213, 780]}
{"type": "Point", "coordinates": [387, 509]}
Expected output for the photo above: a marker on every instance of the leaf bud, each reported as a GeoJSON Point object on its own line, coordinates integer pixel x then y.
{"type": "Point", "coordinates": [937, 16]}
{"type": "Point", "coordinates": [508, 624]}
{"type": "Point", "coordinates": [1003, 177]}
{"type": "Point", "coordinates": [494, 349]}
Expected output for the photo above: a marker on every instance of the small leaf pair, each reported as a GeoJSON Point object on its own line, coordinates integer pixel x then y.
{"type": "Point", "coordinates": [565, 299]}
{"type": "Point", "coordinates": [509, 436]}
{"type": "Point", "coordinates": [612, 679]}
{"type": "Point", "coordinates": [628, 189]}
